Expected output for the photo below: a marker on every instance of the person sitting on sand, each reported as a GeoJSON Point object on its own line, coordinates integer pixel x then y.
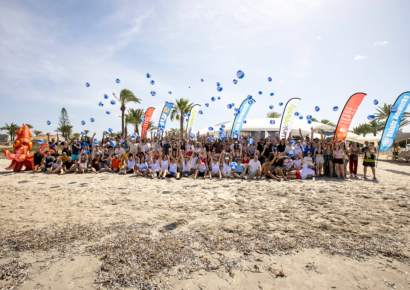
{"type": "Point", "coordinates": [307, 171]}
{"type": "Point", "coordinates": [214, 167]}
{"type": "Point", "coordinates": [69, 165]}
{"type": "Point", "coordinates": [186, 162]}
{"type": "Point", "coordinates": [173, 168]}
{"type": "Point", "coordinates": [83, 164]}
{"type": "Point", "coordinates": [254, 168]}
{"type": "Point", "coordinates": [38, 158]}
{"type": "Point", "coordinates": [239, 171]}
{"type": "Point", "coordinates": [268, 166]}
{"type": "Point", "coordinates": [200, 169]}
{"type": "Point", "coordinates": [142, 167]}
{"type": "Point", "coordinates": [57, 166]}
{"type": "Point", "coordinates": [155, 165]}
{"type": "Point", "coordinates": [116, 163]}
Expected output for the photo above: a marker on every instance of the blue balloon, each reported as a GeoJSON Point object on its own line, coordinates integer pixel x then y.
{"type": "Point", "coordinates": [187, 120]}
{"type": "Point", "coordinates": [92, 120]}
{"type": "Point", "coordinates": [271, 107]}
{"type": "Point", "coordinates": [219, 97]}
{"type": "Point", "coordinates": [219, 89]}
{"type": "Point", "coordinates": [371, 117]}
{"type": "Point", "coordinates": [240, 74]}
{"type": "Point", "coordinates": [236, 114]}
{"type": "Point", "coordinates": [105, 96]}
{"type": "Point", "coordinates": [108, 112]}
{"type": "Point", "coordinates": [393, 109]}
{"type": "Point", "coordinates": [48, 123]}
{"type": "Point", "coordinates": [210, 129]}
{"type": "Point", "coordinates": [88, 152]}
{"type": "Point", "coordinates": [200, 112]}
{"type": "Point", "coordinates": [301, 117]}
{"type": "Point", "coordinates": [269, 79]}
{"type": "Point", "coordinates": [296, 114]}
{"type": "Point", "coordinates": [100, 104]}
{"type": "Point", "coordinates": [192, 135]}
{"type": "Point", "coordinates": [40, 142]}
{"type": "Point", "coordinates": [213, 99]}
{"type": "Point", "coordinates": [166, 103]}
{"type": "Point", "coordinates": [184, 115]}
{"type": "Point", "coordinates": [208, 139]}
{"type": "Point", "coordinates": [317, 109]}
{"type": "Point", "coordinates": [250, 102]}
{"type": "Point", "coordinates": [336, 108]}
{"type": "Point", "coordinates": [202, 80]}
{"type": "Point", "coordinates": [309, 121]}
{"type": "Point", "coordinates": [142, 120]}
{"type": "Point", "coordinates": [244, 121]}
{"type": "Point", "coordinates": [169, 92]}
{"type": "Point", "coordinates": [110, 130]}
{"type": "Point", "coordinates": [293, 143]}
{"type": "Point", "coordinates": [87, 85]}
{"type": "Point", "coordinates": [83, 123]}
{"type": "Point", "coordinates": [271, 94]}
{"type": "Point", "coordinates": [229, 106]}
{"type": "Point", "coordinates": [251, 141]}
{"type": "Point", "coordinates": [280, 104]}
{"type": "Point", "coordinates": [235, 82]}
{"type": "Point", "coordinates": [376, 102]}
{"type": "Point", "coordinates": [82, 133]}
{"type": "Point", "coordinates": [222, 126]}
{"type": "Point", "coordinates": [117, 81]}
{"type": "Point", "coordinates": [236, 110]}
{"type": "Point", "coordinates": [113, 143]}
{"type": "Point", "coordinates": [189, 114]}
{"type": "Point", "coordinates": [152, 82]}
{"type": "Point", "coordinates": [272, 122]}
{"type": "Point", "coordinates": [148, 75]}
{"type": "Point", "coordinates": [260, 92]}
{"type": "Point", "coordinates": [206, 105]}
{"type": "Point", "coordinates": [153, 93]}
{"type": "Point", "coordinates": [218, 84]}
{"type": "Point", "coordinates": [309, 117]}
{"type": "Point", "coordinates": [112, 102]}
{"type": "Point", "coordinates": [221, 129]}
{"type": "Point", "coordinates": [233, 165]}
{"type": "Point", "coordinates": [233, 105]}
{"type": "Point", "coordinates": [291, 154]}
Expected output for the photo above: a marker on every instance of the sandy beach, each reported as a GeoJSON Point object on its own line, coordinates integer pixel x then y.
{"type": "Point", "coordinates": [86, 231]}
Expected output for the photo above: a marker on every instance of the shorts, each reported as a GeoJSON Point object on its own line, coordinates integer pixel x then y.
{"type": "Point", "coordinates": [50, 165]}
{"type": "Point", "coordinates": [319, 159]}
{"type": "Point", "coordinates": [369, 164]}
{"type": "Point", "coordinates": [201, 174]}
{"type": "Point", "coordinates": [74, 157]}
{"type": "Point", "coordinates": [226, 174]}
{"type": "Point", "coordinates": [132, 170]}
{"type": "Point", "coordinates": [338, 161]}
{"type": "Point", "coordinates": [280, 168]}
{"type": "Point", "coordinates": [125, 156]}
{"type": "Point", "coordinates": [254, 172]}
{"type": "Point", "coordinates": [186, 173]}
{"type": "Point", "coordinates": [171, 174]}
{"type": "Point", "coordinates": [298, 174]}
{"type": "Point", "coordinates": [36, 166]}
{"type": "Point", "coordinates": [180, 165]}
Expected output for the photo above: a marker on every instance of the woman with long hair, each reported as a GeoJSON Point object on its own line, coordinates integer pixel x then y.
{"type": "Point", "coordinates": [338, 160]}
{"type": "Point", "coordinates": [329, 166]}
{"type": "Point", "coordinates": [354, 152]}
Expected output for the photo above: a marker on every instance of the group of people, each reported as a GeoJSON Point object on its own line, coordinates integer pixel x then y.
{"type": "Point", "coordinates": [170, 156]}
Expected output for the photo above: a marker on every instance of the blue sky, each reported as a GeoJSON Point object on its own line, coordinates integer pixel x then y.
{"type": "Point", "coordinates": [320, 51]}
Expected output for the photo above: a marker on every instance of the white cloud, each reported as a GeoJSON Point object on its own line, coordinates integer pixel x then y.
{"type": "Point", "coordinates": [380, 43]}
{"type": "Point", "coordinates": [360, 57]}
{"type": "Point", "coordinates": [319, 38]}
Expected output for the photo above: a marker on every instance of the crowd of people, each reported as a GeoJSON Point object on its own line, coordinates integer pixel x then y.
{"type": "Point", "coordinates": [206, 157]}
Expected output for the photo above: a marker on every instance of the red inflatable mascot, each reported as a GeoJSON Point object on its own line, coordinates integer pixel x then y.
{"type": "Point", "coordinates": [21, 156]}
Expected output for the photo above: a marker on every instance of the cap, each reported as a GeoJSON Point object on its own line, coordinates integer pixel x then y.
{"type": "Point", "coordinates": [256, 157]}
{"type": "Point", "coordinates": [156, 156]}
{"type": "Point", "coordinates": [226, 158]}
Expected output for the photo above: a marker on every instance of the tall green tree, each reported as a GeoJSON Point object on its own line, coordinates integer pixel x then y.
{"type": "Point", "coordinates": [134, 117]}
{"type": "Point", "coordinates": [151, 126]}
{"type": "Point", "coordinates": [362, 129]}
{"type": "Point", "coordinates": [10, 129]}
{"type": "Point", "coordinates": [126, 96]}
{"type": "Point", "coordinates": [64, 126]}
{"type": "Point", "coordinates": [37, 132]}
{"type": "Point", "coordinates": [273, 115]}
{"type": "Point", "coordinates": [86, 132]}
{"type": "Point", "coordinates": [29, 126]}
{"type": "Point", "coordinates": [327, 122]}
{"type": "Point", "coordinates": [374, 127]}
{"type": "Point", "coordinates": [182, 106]}
{"type": "Point", "coordinates": [383, 113]}
{"type": "Point", "coordinates": [314, 120]}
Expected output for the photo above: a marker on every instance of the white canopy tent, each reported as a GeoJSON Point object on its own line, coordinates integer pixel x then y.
{"type": "Point", "coordinates": [263, 124]}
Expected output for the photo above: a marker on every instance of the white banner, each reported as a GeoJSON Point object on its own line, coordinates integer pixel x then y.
{"type": "Point", "coordinates": [191, 120]}
{"type": "Point", "coordinates": [287, 118]}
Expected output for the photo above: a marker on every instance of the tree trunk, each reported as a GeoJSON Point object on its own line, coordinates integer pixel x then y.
{"type": "Point", "coordinates": [181, 119]}
{"type": "Point", "coordinates": [122, 119]}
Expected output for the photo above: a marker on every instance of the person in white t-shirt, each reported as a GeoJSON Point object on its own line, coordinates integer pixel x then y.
{"type": "Point", "coordinates": [254, 167]}
{"type": "Point", "coordinates": [307, 171]}
{"type": "Point", "coordinates": [297, 163]}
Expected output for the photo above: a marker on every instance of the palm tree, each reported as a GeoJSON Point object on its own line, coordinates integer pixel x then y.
{"type": "Point", "coordinates": [76, 135]}
{"type": "Point", "coordinates": [327, 122]}
{"type": "Point", "coordinates": [86, 132]}
{"type": "Point", "coordinates": [126, 96]}
{"type": "Point", "coordinates": [37, 132]}
{"type": "Point", "coordinates": [29, 126]}
{"type": "Point", "coordinates": [314, 120]}
{"type": "Point", "coordinates": [384, 112]}
{"type": "Point", "coordinates": [134, 117]}
{"type": "Point", "coordinates": [362, 129]}
{"type": "Point", "coordinates": [151, 126]}
{"type": "Point", "coordinates": [174, 131]}
{"type": "Point", "coordinates": [273, 115]}
{"type": "Point", "coordinates": [374, 127]}
{"type": "Point", "coordinates": [11, 129]}
{"type": "Point", "coordinates": [181, 107]}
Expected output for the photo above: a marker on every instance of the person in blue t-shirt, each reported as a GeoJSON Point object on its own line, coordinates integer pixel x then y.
{"type": "Point", "coordinates": [76, 149]}
{"type": "Point", "coordinates": [240, 170]}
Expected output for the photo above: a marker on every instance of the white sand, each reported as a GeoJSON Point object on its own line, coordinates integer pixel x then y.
{"type": "Point", "coordinates": [30, 200]}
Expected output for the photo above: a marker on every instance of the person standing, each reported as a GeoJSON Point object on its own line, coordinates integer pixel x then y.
{"type": "Point", "coordinates": [369, 159]}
